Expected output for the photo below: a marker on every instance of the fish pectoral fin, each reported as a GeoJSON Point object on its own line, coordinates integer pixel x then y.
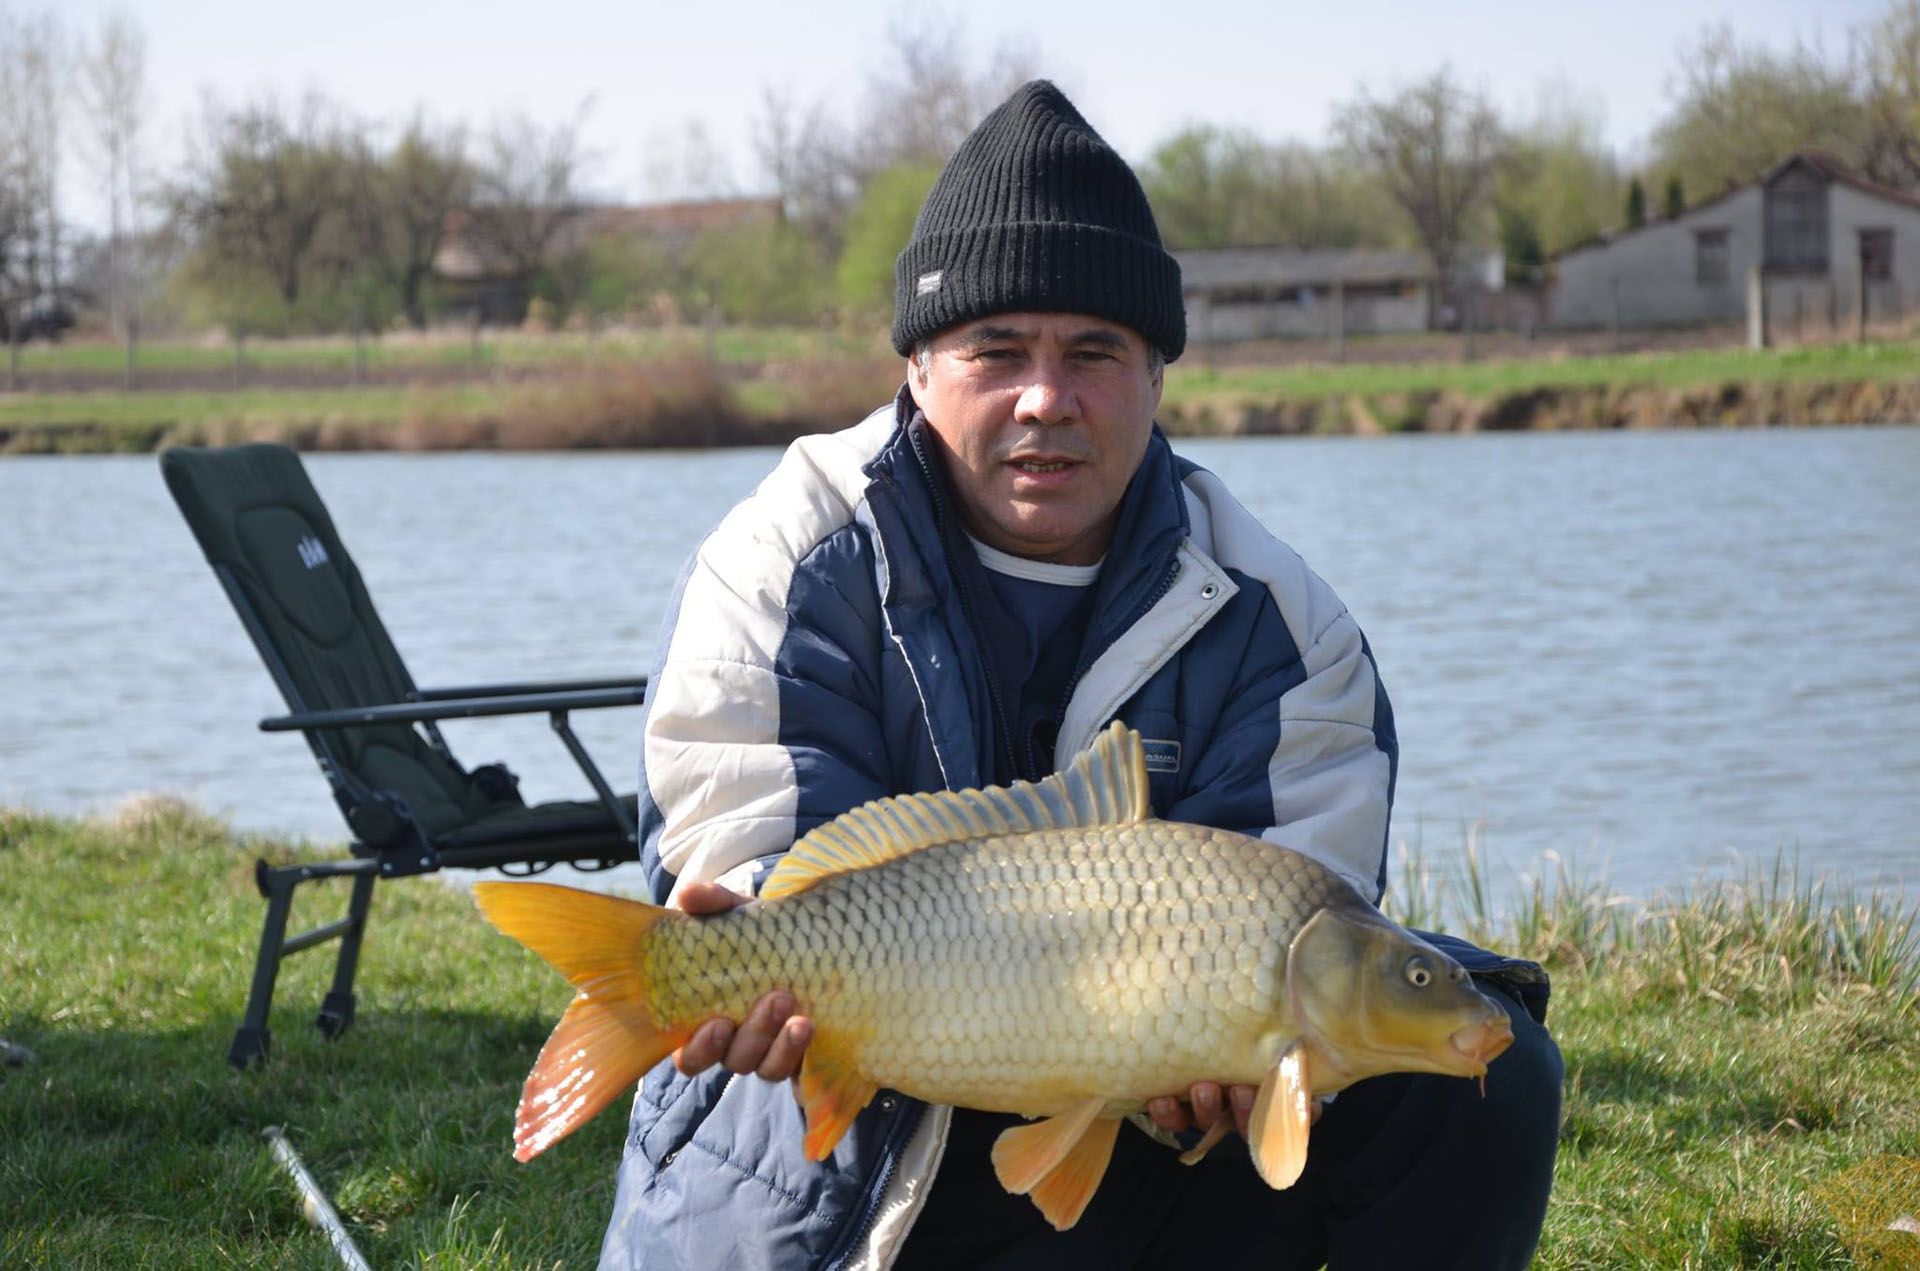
{"type": "Point", "coordinates": [1222, 1127]}
{"type": "Point", "coordinates": [1026, 1154]}
{"type": "Point", "coordinates": [1064, 1193]}
{"type": "Point", "coordinates": [832, 1092]}
{"type": "Point", "coordinates": [1282, 1115]}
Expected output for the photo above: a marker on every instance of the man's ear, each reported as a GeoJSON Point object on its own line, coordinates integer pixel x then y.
{"type": "Point", "coordinates": [916, 380]}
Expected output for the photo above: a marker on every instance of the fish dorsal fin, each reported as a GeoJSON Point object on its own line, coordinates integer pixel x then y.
{"type": "Point", "coordinates": [1105, 784]}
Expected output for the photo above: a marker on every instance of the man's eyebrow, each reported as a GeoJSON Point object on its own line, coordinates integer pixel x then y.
{"type": "Point", "coordinates": [987, 333]}
{"type": "Point", "coordinates": [1102, 336]}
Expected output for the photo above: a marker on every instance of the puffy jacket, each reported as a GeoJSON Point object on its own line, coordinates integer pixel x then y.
{"type": "Point", "coordinates": [819, 654]}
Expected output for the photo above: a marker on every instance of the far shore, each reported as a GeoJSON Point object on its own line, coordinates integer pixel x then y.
{"type": "Point", "coordinates": [562, 393]}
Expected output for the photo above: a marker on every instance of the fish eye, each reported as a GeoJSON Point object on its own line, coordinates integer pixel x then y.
{"type": "Point", "coordinates": [1419, 971]}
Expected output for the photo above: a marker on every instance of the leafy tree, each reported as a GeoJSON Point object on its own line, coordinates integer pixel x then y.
{"type": "Point", "coordinates": [401, 201]}
{"type": "Point", "coordinates": [261, 192]}
{"type": "Point", "coordinates": [768, 273]}
{"type": "Point", "coordinates": [1556, 173]}
{"type": "Point", "coordinates": [1520, 245]}
{"type": "Point", "coordinates": [1434, 146]}
{"type": "Point", "coordinates": [1889, 55]}
{"type": "Point", "coordinates": [1674, 202]}
{"type": "Point", "coordinates": [1741, 109]}
{"type": "Point", "coordinates": [1214, 187]}
{"type": "Point", "coordinates": [877, 230]}
{"type": "Point", "coordinates": [1636, 209]}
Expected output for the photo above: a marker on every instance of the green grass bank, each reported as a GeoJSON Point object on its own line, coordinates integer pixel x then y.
{"type": "Point", "coordinates": [1741, 1069]}
{"type": "Point", "coordinates": [568, 393]}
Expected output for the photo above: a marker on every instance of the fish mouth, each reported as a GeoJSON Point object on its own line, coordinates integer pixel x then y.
{"type": "Point", "coordinates": [1482, 1042]}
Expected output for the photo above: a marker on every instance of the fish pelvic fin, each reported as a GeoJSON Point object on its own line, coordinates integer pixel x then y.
{"type": "Point", "coordinates": [1222, 1126]}
{"type": "Point", "coordinates": [832, 1092]}
{"type": "Point", "coordinates": [1106, 784]}
{"type": "Point", "coordinates": [1282, 1116]}
{"type": "Point", "coordinates": [607, 1038]}
{"type": "Point", "coordinates": [1058, 1163]}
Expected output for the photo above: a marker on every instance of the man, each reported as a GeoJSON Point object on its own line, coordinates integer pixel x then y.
{"type": "Point", "coordinates": [961, 591]}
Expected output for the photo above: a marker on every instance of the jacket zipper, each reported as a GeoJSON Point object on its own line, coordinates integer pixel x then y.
{"type": "Point", "coordinates": [902, 1135]}
{"type": "Point", "coordinates": [1138, 612]}
{"type": "Point", "coordinates": [1003, 732]}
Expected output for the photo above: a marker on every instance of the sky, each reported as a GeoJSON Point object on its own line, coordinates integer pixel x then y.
{"type": "Point", "coordinates": [1138, 71]}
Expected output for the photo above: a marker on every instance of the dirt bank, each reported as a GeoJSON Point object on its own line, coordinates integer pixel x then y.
{"type": "Point", "coordinates": [640, 412]}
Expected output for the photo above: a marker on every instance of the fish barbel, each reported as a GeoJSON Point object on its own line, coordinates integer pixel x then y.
{"type": "Point", "coordinates": [1047, 949]}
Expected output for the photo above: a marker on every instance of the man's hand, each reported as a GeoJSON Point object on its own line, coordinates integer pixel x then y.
{"type": "Point", "coordinates": [1208, 1104]}
{"type": "Point", "coordinates": [771, 1041]}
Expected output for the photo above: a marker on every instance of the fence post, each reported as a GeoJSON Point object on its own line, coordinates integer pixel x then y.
{"type": "Point", "coordinates": [359, 343]}
{"type": "Point", "coordinates": [133, 343]}
{"type": "Point", "coordinates": [1756, 309]}
{"type": "Point", "coordinates": [1613, 312]}
{"type": "Point", "coordinates": [239, 350]}
{"type": "Point", "coordinates": [1860, 321]}
{"type": "Point", "coordinates": [1339, 319]}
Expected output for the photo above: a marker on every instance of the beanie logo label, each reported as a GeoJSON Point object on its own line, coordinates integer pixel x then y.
{"type": "Point", "coordinates": [927, 284]}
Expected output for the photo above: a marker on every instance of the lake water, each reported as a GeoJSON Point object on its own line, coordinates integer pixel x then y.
{"type": "Point", "coordinates": [1651, 653]}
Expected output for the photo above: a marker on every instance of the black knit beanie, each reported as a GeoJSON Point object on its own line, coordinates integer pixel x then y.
{"type": "Point", "coordinates": [1035, 212]}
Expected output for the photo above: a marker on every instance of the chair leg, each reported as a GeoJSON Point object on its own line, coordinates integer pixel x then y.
{"type": "Point", "coordinates": [252, 1040]}
{"type": "Point", "coordinates": [336, 1012]}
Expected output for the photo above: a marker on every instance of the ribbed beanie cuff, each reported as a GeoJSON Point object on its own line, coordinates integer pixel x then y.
{"type": "Point", "coordinates": [1035, 212]}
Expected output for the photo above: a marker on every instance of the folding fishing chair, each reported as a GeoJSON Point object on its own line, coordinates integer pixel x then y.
{"type": "Point", "coordinates": [410, 806]}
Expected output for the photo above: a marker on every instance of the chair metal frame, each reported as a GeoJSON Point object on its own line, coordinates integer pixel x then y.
{"type": "Point", "coordinates": [387, 842]}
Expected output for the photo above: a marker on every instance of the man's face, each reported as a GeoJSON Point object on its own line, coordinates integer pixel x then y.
{"type": "Point", "coordinates": [1041, 419]}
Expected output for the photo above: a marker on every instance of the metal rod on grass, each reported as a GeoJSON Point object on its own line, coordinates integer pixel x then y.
{"type": "Point", "coordinates": [313, 1202]}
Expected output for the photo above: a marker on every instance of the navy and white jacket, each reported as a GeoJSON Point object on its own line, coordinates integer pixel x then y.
{"type": "Point", "coordinates": [820, 655]}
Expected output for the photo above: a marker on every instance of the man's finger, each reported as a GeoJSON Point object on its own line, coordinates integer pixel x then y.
{"type": "Point", "coordinates": [704, 1049]}
{"type": "Point", "coordinates": [1242, 1098]}
{"type": "Point", "coordinates": [757, 1031]}
{"type": "Point", "coordinates": [706, 898]}
{"type": "Point", "coordinates": [1205, 1097]}
{"type": "Point", "coordinates": [788, 1049]}
{"type": "Point", "coordinates": [1169, 1114]}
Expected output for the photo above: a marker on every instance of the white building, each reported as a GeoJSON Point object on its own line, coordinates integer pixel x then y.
{"type": "Point", "coordinates": [1818, 232]}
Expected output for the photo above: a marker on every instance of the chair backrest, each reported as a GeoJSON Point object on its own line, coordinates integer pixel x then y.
{"type": "Point", "coordinates": [274, 549]}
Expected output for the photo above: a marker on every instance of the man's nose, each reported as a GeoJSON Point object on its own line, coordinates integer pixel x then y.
{"type": "Point", "coordinates": [1048, 397]}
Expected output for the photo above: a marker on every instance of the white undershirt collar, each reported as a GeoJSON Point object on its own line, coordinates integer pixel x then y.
{"type": "Point", "coordinates": [1039, 571]}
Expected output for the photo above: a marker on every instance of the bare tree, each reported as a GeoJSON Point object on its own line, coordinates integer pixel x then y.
{"type": "Point", "coordinates": [915, 111]}
{"type": "Point", "coordinates": [29, 163]}
{"type": "Point", "coordinates": [527, 191]}
{"type": "Point", "coordinates": [1435, 146]}
{"type": "Point", "coordinates": [113, 91]}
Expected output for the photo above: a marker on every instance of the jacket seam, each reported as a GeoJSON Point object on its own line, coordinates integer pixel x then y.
{"type": "Point", "coordinates": [728, 1161]}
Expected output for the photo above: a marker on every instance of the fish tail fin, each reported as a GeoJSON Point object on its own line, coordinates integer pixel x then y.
{"type": "Point", "coordinates": [608, 1037]}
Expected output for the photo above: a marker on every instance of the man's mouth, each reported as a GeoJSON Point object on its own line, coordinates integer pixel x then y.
{"type": "Point", "coordinates": [1039, 465]}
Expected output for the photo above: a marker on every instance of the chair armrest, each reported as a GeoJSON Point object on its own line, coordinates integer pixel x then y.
{"type": "Point", "coordinates": [520, 690]}
{"type": "Point", "coordinates": [455, 708]}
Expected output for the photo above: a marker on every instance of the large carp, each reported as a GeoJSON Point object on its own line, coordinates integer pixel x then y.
{"type": "Point", "coordinates": [1045, 949]}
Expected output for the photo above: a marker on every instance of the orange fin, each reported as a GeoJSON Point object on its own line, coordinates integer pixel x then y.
{"type": "Point", "coordinates": [832, 1092]}
{"type": "Point", "coordinates": [1026, 1154]}
{"type": "Point", "coordinates": [1063, 1194]}
{"type": "Point", "coordinates": [1222, 1127]}
{"type": "Point", "coordinates": [607, 1038]}
{"type": "Point", "coordinates": [1282, 1115]}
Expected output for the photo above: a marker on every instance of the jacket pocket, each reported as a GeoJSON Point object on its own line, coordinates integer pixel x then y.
{"type": "Point", "coordinates": [669, 1109]}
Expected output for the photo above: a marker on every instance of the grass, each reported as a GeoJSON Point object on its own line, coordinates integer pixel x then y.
{"type": "Point", "coordinates": [495, 348]}
{"type": "Point", "coordinates": [1741, 1068]}
{"type": "Point", "coordinates": [1831, 363]}
{"type": "Point", "coordinates": [767, 384]}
